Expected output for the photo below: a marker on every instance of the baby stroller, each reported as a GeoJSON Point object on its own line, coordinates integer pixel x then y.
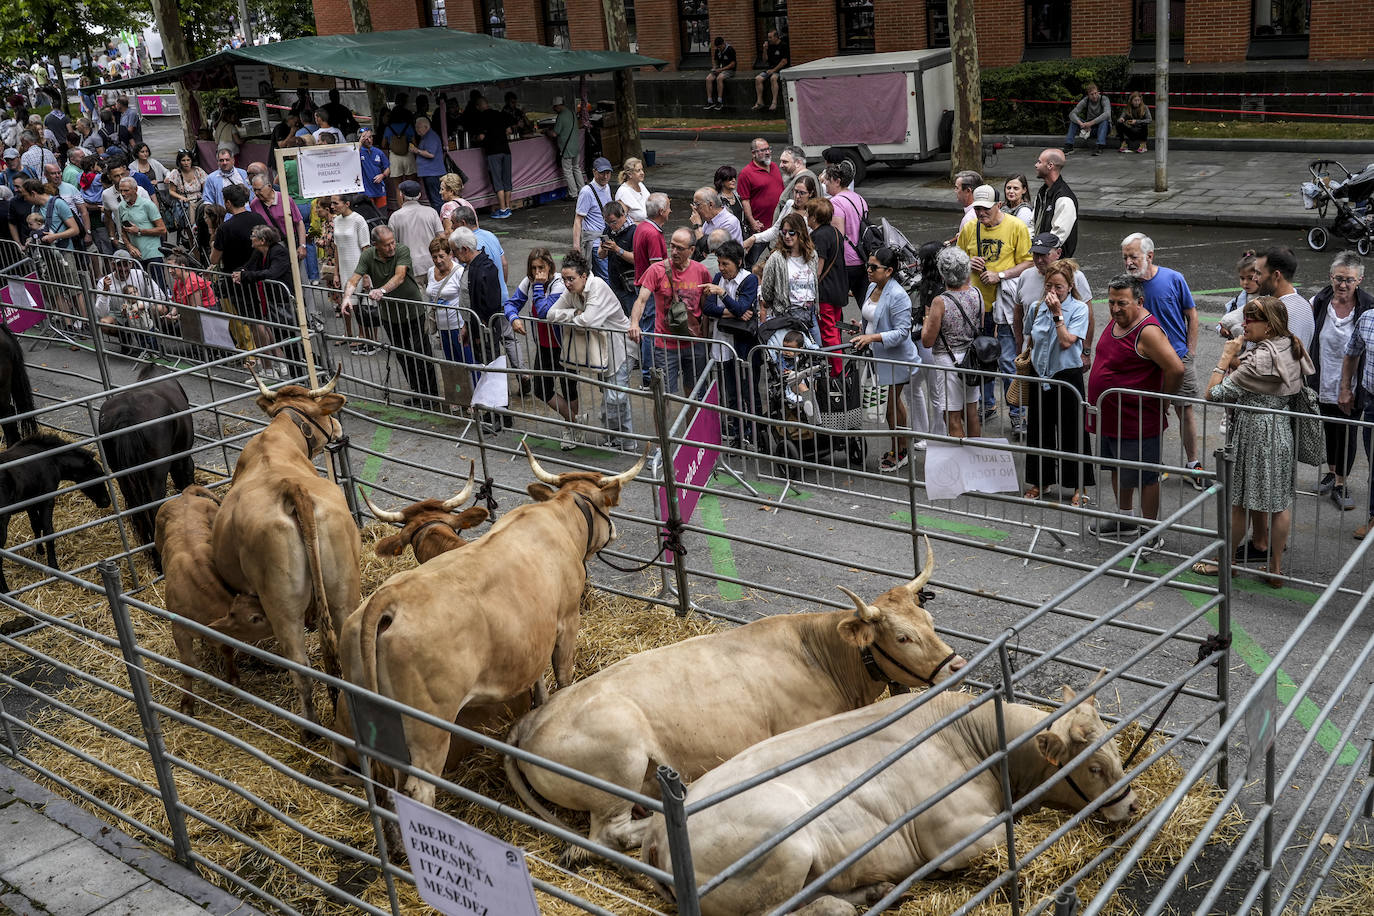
{"type": "Point", "coordinates": [1349, 195]}
{"type": "Point", "coordinates": [803, 391]}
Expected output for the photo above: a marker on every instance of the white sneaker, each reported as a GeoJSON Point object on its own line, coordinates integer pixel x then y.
{"type": "Point", "coordinates": [568, 442]}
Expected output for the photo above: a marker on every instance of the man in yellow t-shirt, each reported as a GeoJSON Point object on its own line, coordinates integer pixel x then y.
{"type": "Point", "coordinates": [999, 246]}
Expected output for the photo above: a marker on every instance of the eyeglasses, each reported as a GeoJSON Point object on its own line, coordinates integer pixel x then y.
{"type": "Point", "coordinates": [872, 267]}
{"type": "Point", "coordinates": [787, 232]}
{"type": "Point", "coordinates": [677, 247]}
{"type": "Point", "coordinates": [1255, 319]}
{"type": "Point", "coordinates": [1344, 281]}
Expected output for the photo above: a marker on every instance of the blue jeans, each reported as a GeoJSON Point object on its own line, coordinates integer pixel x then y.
{"type": "Point", "coordinates": [989, 388]}
{"type": "Point", "coordinates": [1006, 361]}
{"type": "Point", "coordinates": [431, 183]}
{"type": "Point", "coordinates": [1099, 131]}
{"type": "Point", "coordinates": [686, 363]}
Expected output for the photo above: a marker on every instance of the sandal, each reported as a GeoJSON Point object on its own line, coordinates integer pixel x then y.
{"type": "Point", "coordinates": [1032, 493]}
{"type": "Point", "coordinates": [1203, 568]}
{"type": "Point", "coordinates": [1079, 499]}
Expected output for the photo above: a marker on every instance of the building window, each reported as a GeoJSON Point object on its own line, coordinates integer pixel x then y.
{"type": "Point", "coordinates": [694, 25]}
{"type": "Point", "coordinates": [1047, 24]}
{"type": "Point", "coordinates": [937, 24]}
{"type": "Point", "coordinates": [1143, 28]}
{"type": "Point", "coordinates": [630, 26]}
{"type": "Point", "coordinates": [768, 16]}
{"type": "Point", "coordinates": [856, 26]}
{"type": "Point", "coordinates": [494, 18]}
{"type": "Point", "coordinates": [1282, 18]}
{"type": "Point", "coordinates": [556, 24]}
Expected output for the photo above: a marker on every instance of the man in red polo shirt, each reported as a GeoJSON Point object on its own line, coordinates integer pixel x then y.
{"type": "Point", "coordinates": [677, 277]}
{"type": "Point", "coordinates": [760, 186]}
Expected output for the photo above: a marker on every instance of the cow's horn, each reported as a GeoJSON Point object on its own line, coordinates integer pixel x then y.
{"type": "Point", "coordinates": [860, 606]}
{"type": "Point", "coordinates": [540, 474]}
{"type": "Point", "coordinates": [626, 476]}
{"type": "Point", "coordinates": [381, 514]}
{"type": "Point", "coordinates": [918, 583]}
{"type": "Point", "coordinates": [328, 387]}
{"type": "Point", "coordinates": [462, 497]}
{"type": "Point", "coordinates": [266, 392]}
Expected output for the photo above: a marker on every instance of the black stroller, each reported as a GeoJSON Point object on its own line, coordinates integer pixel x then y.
{"type": "Point", "coordinates": [825, 406]}
{"type": "Point", "coordinates": [1350, 196]}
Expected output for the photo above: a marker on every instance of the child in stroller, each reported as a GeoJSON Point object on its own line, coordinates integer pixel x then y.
{"type": "Point", "coordinates": [800, 389]}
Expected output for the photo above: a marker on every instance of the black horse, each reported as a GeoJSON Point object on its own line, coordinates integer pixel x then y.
{"type": "Point", "coordinates": [166, 439]}
{"type": "Point", "coordinates": [16, 394]}
{"type": "Point", "coordinates": [43, 477]}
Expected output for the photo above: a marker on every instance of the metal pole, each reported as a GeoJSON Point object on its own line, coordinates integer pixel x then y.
{"type": "Point", "coordinates": [1066, 901]}
{"type": "Point", "coordinates": [12, 746]}
{"type": "Point", "coordinates": [1162, 95]}
{"type": "Point", "coordinates": [1368, 799]}
{"type": "Point", "coordinates": [247, 28]}
{"type": "Point", "coordinates": [665, 448]}
{"type": "Point", "coordinates": [679, 846]}
{"type": "Point", "coordinates": [1008, 801]}
{"type": "Point", "coordinates": [1267, 907]}
{"type": "Point", "coordinates": [383, 854]}
{"type": "Point", "coordinates": [143, 699]}
{"type": "Point", "coordinates": [338, 449]}
{"type": "Point", "coordinates": [88, 301]}
{"type": "Point", "coordinates": [1225, 465]}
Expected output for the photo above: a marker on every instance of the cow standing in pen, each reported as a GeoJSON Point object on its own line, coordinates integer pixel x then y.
{"type": "Point", "coordinates": [286, 534]}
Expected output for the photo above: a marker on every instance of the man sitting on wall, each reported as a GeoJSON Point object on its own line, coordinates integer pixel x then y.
{"type": "Point", "coordinates": [1091, 119]}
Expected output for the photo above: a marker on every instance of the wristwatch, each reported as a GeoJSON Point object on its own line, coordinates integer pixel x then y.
{"type": "Point", "coordinates": [1058, 319]}
{"type": "Point", "coordinates": [1001, 274]}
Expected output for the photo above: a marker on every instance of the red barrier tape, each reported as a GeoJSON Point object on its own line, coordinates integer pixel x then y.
{"type": "Point", "coordinates": [1271, 95]}
{"type": "Point", "coordinates": [1241, 111]}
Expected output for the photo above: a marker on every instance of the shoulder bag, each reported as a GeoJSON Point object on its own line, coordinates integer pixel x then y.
{"type": "Point", "coordinates": [679, 317]}
{"type": "Point", "coordinates": [1017, 393]}
{"type": "Point", "coordinates": [1309, 435]}
{"type": "Point", "coordinates": [729, 322]}
{"type": "Point", "coordinates": [982, 353]}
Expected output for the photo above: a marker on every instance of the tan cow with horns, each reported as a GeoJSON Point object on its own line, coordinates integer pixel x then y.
{"type": "Point", "coordinates": [692, 704]}
{"type": "Point", "coordinates": [430, 526]}
{"type": "Point", "coordinates": [480, 625]}
{"type": "Point", "coordinates": [285, 534]}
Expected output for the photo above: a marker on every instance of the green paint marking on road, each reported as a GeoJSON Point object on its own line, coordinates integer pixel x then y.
{"type": "Point", "coordinates": [1216, 292]}
{"type": "Point", "coordinates": [381, 441]}
{"type": "Point", "coordinates": [1307, 712]}
{"type": "Point", "coordinates": [943, 524]}
{"type": "Point", "coordinates": [722, 554]}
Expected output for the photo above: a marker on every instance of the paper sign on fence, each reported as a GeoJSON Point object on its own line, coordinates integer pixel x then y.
{"type": "Point", "coordinates": [330, 169]}
{"type": "Point", "coordinates": [952, 470]}
{"type": "Point", "coordinates": [493, 388]}
{"type": "Point", "coordinates": [459, 870]}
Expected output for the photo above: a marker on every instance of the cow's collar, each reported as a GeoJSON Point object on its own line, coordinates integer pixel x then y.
{"type": "Point", "coordinates": [429, 524]}
{"type": "Point", "coordinates": [876, 672]}
{"type": "Point", "coordinates": [1119, 797]}
{"type": "Point", "coordinates": [298, 415]}
{"type": "Point", "coordinates": [588, 507]}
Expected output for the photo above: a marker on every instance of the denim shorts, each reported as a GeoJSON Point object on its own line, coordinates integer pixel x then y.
{"type": "Point", "coordinates": [499, 167]}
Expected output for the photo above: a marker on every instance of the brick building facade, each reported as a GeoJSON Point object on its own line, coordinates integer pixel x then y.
{"type": "Point", "coordinates": [1009, 31]}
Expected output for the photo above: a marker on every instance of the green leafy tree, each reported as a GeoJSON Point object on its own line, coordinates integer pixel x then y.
{"type": "Point", "coordinates": [56, 28]}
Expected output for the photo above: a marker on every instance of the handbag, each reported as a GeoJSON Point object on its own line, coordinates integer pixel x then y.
{"type": "Point", "coordinates": [982, 354]}
{"type": "Point", "coordinates": [1309, 436]}
{"type": "Point", "coordinates": [679, 318]}
{"type": "Point", "coordinates": [1018, 392]}
{"type": "Point", "coordinates": [586, 350]}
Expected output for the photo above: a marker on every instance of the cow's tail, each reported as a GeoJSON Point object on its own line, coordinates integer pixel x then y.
{"type": "Point", "coordinates": [319, 603]}
{"type": "Point", "coordinates": [517, 779]}
{"type": "Point", "coordinates": [373, 610]}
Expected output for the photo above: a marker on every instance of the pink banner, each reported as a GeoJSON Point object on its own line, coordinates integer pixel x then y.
{"type": "Point", "coordinates": [19, 318]}
{"type": "Point", "coordinates": [150, 105]}
{"type": "Point", "coordinates": [534, 169]}
{"type": "Point", "coordinates": [694, 462]}
{"type": "Point", "coordinates": [844, 110]}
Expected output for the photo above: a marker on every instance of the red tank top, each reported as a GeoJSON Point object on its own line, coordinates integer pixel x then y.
{"type": "Point", "coordinates": [1117, 363]}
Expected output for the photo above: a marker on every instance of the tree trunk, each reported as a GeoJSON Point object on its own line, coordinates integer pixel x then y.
{"type": "Point", "coordinates": [967, 150]}
{"type": "Point", "coordinates": [626, 108]}
{"type": "Point", "coordinates": [176, 51]}
{"type": "Point", "coordinates": [361, 13]}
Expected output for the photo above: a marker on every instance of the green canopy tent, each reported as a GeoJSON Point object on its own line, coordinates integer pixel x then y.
{"type": "Point", "coordinates": [433, 58]}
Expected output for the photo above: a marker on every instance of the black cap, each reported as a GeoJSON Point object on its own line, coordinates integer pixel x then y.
{"type": "Point", "coordinates": [1044, 243]}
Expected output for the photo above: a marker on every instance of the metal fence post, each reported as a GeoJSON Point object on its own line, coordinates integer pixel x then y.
{"type": "Point", "coordinates": [88, 302]}
{"type": "Point", "coordinates": [1008, 800]}
{"type": "Point", "coordinates": [1066, 901]}
{"type": "Point", "coordinates": [665, 448]}
{"type": "Point", "coordinates": [11, 746]}
{"type": "Point", "coordinates": [1225, 462]}
{"type": "Point", "coordinates": [679, 846]}
{"type": "Point", "coordinates": [1368, 799]}
{"type": "Point", "coordinates": [378, 830]}
{"type": "Point", "coordinates": [338, 452]}
{"type": "Point", "coordinates": [143, 699]}
{"type": "Point", "coordinates": [1267, 893]}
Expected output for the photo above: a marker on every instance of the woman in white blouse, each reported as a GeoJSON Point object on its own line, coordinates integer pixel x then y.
{"type": "Point", "coordinates": [350, 238]}
{"type": "Point", "coordinates": [633, 192]}
{"type": "Point", "coordinates": [595, 345]}
{"type": "Point", "coordinates": [443, 287]}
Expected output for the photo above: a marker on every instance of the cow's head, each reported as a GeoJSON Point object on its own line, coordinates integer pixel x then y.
{"type": "Point", "coordinates": [310, 409]}
{"type": "Point", "coordinates": [429, 515]}
{"type": "Point", "coordinates": [1073, 733]}
{"type": "Point", "coordinates": [897, 634]}
{"type": "Point", "coordinates": [246, 621]}
{"type": "Point", "coordinates": [593, 493]}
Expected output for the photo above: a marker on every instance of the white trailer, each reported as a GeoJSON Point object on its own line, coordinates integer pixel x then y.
{"type": "Point", "coordinates": [896, 108]}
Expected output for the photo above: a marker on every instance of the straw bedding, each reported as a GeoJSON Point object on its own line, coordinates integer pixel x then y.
{"type": "Point", "coordinates": [612, 628]}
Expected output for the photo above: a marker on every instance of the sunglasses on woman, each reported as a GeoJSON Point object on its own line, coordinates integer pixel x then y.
{"type": "Point", "coordinates": [1252, 319]}
{"type": "Point", "coordinates": [872, 266]}
{"type": "Point", "coordinates": [788, 233]}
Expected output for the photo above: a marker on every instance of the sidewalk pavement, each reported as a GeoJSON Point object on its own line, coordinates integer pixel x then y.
{"type": "Point", "coordinates": [57, 860]}
{"type": "Point", "coordinates": [1212, 187]}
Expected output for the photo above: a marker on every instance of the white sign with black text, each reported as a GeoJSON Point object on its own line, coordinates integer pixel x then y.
{"type": "Point", "coordinates": [952, 470]}
{"type": "Point", "coordinates": [461, 871]}
{"type": "Point", "coordinates": [330, 169]}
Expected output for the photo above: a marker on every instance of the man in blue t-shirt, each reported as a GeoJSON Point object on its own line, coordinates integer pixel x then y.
{"type": "Point", "coordinates": [1168, 298]}
{"type": "Point", "coordinates": [589, 220]}
{"type": "Point", "coordinates": [376, 166]}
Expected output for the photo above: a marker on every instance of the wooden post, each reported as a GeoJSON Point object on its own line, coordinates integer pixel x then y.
{"type": "Point", "coordinates": [176, 51]}
{"type": "Point", "coordinates": [1162, 96]}
{"type": "Point", "coordinates": [626, 108]}
{"type": "Point", "coordinates": [967, 149]}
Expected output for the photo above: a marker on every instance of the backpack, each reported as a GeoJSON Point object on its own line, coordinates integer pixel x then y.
{"type": "Point", "coordinates": [868, 239]}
